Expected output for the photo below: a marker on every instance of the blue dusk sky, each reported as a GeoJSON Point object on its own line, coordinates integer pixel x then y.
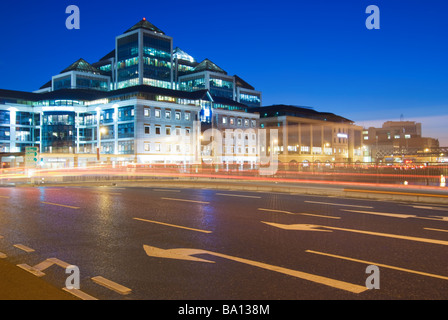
{"type": "Point", "coordinates": [315, 53]}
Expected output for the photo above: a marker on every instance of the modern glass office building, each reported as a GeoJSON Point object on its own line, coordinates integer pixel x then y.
{"type": "Point", "coordinates": [145, 102]}
{"type": "Point", "coordinates": [131, 106]}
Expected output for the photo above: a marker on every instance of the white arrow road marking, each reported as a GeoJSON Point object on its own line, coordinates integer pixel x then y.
{"type": "Point", "coordinates": [302, 227]}
{"type": "Point", "coordinates": [301, 214]}
{"type": "Point", "coordinates": [186, 254]}
{"type": "Point", "coordinates": [397, 215]}
{"type": "Point", "coordinates": [339, 204]}
{"type": "Point", "coordinates": [297, 227]}
{"type": "Point", "coordinates": [379, 265]}
{"type": "Point", "coordinates": [393, 215]}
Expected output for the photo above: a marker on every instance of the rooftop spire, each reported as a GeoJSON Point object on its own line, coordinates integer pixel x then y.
{"type": "Point", "coordinates": [145, 24]}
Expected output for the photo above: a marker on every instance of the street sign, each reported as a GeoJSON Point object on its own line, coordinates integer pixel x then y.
{"type": "Point", "coordinates": [31, 156]}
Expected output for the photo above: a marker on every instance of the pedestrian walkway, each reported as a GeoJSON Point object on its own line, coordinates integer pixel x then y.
{"type": "Point", "coordinates": [17, 284]}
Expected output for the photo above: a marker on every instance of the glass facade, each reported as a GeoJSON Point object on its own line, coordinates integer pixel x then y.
{"type": "Point", "coordinates": [86, 82]}
{"type": "Point", "coordinates": [157, 60]}
{"type": "Point", "coordinates": [250, 100]}
{"type": "Point", "coordinates": [127, 61]}
{"type": "Point", "coordinates": [63, 83]}
{"type": "Point", "coordinates": [221, 88]}
{"type": "Point", "coordinates": [58, 132]}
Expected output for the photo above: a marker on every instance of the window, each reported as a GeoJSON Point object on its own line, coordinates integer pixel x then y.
{"type": "Point", "coordinates": [147, 147]}
{"type": "Point", "coordinates": [158, 130]}
{"type": "Point", "coordinates": [187, 116]}
{"type": "Point", "coordinates": [168, 114]}
{"type": "Point", "coordinates": [187, 132]}
{"type": "Point", "coordinates": [224, 120]}
{"type": "Point", "coordinates": [253, 123]}
{"type": "Point", "coordinates": [240, 122]}
{"type": "Point", "coordinates": [158, 147]}
{"type": "Point", "coordinates": [232, 121]}
{"type": "Point", "coordinates": [246, 122]}
{"type": "Point", "coordinates": [168, 131]}
{"type": "Point", "coordinates": [147, 129]}
{"type": "Point", "coordinates": [147, 112]}
{"type": "Point", "coordinates": [177, 131]}
{"type": "Point", "coordinates": [177, 116]}
{"type": "Point", "coordinates": [157, 113]}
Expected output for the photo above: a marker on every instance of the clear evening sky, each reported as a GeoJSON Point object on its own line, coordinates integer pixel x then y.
{"type": "Point", "coordinates": [315, 53]}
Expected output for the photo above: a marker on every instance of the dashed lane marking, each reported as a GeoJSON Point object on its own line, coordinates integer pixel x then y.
{"type": "Point", "coordinates": [61, 205]}
{"type": "Point", "coordinates": [112, 285]}
{"type": "Point", "coordinates": [79, 294]}
{"type": "Point", "coordinates": [24, 248]}
{"type": "Point", "coordinates": [186, 200]}
{"type": "Point", "coordinates": [173, 225]}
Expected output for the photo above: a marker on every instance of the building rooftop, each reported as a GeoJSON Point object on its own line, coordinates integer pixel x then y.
{"type": "Point", "coordinates": [208, 65]}
{"type": "Point", "coordinates": [145, 24]}
{"type": "Point", "coordinates": [298, 111]}
{"type": "Point", "coordinates": [82, 66]}
{"type": "Point", "coordinates": [91, 95]}
{"type": "Point", "coordinates": [243, 84]}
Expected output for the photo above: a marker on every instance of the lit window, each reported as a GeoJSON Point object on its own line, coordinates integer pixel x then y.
{"type": "Point", "coordinates": [177, 117]}
{"type": "Point", "coordinates": [147, 112]}
{"type": "Point", "coordinates": [168, 114]}
{"type": "Point", "coordinates": [158, 147]}
{"type": "Point", "coordinates": [147, 147]}
{"type": "Point", "coordinates": [157, 113]}
{"type": "Point", "coordinates": [224, 120]}
{"type": "Point", "coordinates": [187, 116]}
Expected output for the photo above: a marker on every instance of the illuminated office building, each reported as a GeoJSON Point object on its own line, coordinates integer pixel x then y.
{"type": "Point", "coordinates": [307, 136]}
{"type": "Point", "coordinates": [131, 106]}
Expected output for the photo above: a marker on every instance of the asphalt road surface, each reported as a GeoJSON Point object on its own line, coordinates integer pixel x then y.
{"type": "Point", "coordinates": [196, 244]}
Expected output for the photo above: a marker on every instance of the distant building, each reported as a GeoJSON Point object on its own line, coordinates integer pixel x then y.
{"type": "Point", "coordinates": [308, 136]}
{"type": "Point", "coordinates": [397, 141]}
